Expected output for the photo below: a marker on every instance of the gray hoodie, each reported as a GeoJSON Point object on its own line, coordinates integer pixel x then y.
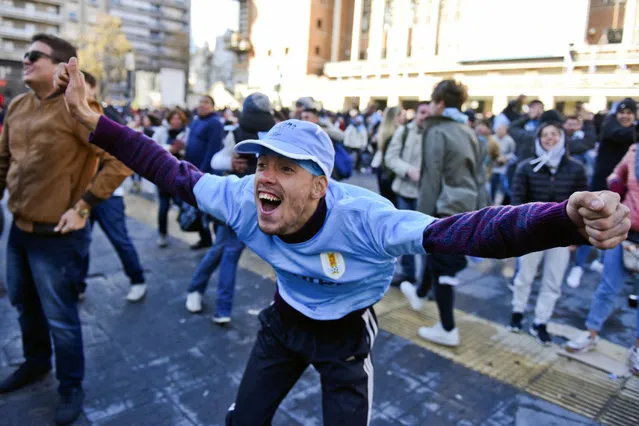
{"type": "Point", "coordinates": [453, 178]}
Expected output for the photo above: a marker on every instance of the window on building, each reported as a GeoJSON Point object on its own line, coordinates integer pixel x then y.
{"type": "Point", "coordinates": [317, 50]}
{"type": "Point", "coordinates": [269, 52]}
{"type": "Point", "coordinates": [366, 16]}
{"type": "Point", "coordinates": [388, 14]}
{"type": "Point", "coordinates": [414, 7]}
{"type": "Point", "coordinates": [319, 24]}
{"type": "Point", "coordinates": [614, 35]}
{"type": "Point", "coordinates": [286, 50]}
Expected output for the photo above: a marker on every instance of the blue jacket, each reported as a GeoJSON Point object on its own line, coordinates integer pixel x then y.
{"type": "Point", "coordinates": [205, 139]}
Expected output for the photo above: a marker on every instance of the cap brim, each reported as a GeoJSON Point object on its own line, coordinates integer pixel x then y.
{"type": "Point", "coordinates": [285, 149]}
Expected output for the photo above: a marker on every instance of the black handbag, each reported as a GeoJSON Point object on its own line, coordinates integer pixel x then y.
{"type": "Point", "coordinates": [189, 218]}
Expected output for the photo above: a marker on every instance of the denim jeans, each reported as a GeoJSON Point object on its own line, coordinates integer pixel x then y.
{"type": "Point", "coordinates": [583, 252]}
{"type": "Point", "coordinates": [499, 181]}
{"type": "Point", "coordinates": [42, 272]}
{"type": "Point", "coordinates": [408, 261]}
{"type": "Point", "coordinates": [225, 253]}
{"type": "Point", "coordinates": [110, 216]}
{"type": "Point", "coordinates": [612, 282]}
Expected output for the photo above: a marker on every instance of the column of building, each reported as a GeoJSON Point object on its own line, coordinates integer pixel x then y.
{"type": "Point", "coordinates": [376, 33]}
{"type": "Point", "coordinates": [357, 21]}
{"type": "Point", "coordinates": [337, 29]}
{"type": "Point", "coordinates": [629, 22]}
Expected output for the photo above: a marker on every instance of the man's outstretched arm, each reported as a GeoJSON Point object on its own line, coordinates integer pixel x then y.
{"type": "Point", "coordinates": [147, 158]}
{"type": "Point", "coordinates": [134, 149]}
{"type": "Point", "coordinates": [499, 232]}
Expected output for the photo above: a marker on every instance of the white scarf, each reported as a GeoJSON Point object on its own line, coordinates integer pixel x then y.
{"type": "Point", "coordinates": [550, 158]}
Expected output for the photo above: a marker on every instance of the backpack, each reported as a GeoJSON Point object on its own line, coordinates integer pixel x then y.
{"type": "Point", "coordinates": [343, 166]}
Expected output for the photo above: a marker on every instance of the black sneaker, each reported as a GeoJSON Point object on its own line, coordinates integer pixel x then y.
{"type": "Point", "coordinates": [23, 376]}
{"type": "Point", "coordinates": [70, 406]}
{"type": "Point", "coordinates": [201, 245]}
{"type": "Point", "coordinates": [540, 332]}
{"type": "Point", "coordinates": [515, 322]}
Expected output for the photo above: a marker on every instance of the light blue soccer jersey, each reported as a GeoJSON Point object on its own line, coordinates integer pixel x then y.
{"type": "Point", "coordinates": [347, 265]}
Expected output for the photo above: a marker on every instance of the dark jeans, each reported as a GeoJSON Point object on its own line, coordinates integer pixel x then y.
{"type": "Point", "coordinates": [110, 216]}
{"type": "Point", "coordinates": [408, 261]}
{"type": "Point", "coordinates": [163, 218]}
{"type": "Point", "coordinates": [435, 266]}
{"type": "Point", "coordinates": [385, 186]}
{"type": "Point", "coordinates": [163, 214]}
{"type": "Point", "coordinates": [340, 351]}
{"type": "Point", "coordinates": [42, 272]}
{"type": "Point", "coordinates": [225, 253]}
{"type": "Point", "coordinates": [500, 181]}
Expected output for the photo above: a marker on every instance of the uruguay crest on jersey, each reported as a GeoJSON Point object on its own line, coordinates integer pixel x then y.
{"type": "Point", "coordinates": [333, 264]}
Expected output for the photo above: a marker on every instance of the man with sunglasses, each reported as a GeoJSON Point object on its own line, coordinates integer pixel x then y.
{"type": "Point", "coordinates": [51, 173]}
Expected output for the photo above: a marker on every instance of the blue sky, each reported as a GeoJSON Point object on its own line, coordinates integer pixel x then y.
{"type": "Point", "coordinates": [210, 18]}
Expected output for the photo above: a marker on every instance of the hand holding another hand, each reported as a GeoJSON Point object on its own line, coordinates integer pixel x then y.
{"type": "Point", "coordinates": [600, 217]}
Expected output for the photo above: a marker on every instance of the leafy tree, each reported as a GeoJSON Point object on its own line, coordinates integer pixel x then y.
{"type": "Point", "coordinates": [102, 51]}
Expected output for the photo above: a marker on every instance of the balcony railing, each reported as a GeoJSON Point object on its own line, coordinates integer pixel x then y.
{"type": "Point", "coordinates": [237, 43]}
{"type": "Point", "coordinates": [12, 55]}
{"type": "Point", "coordinates": [29, 15]}
{"type": "Point", "coordinates": [15, 33]}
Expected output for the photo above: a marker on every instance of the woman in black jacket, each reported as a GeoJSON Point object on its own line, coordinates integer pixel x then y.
{"type": "Point", "coordinates": [549, 176]}
{"type": "Point", "coordinates": [618, 133]}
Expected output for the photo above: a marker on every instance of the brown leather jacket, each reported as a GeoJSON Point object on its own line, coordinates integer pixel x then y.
{"type": "Point", "coordinates": [47, 163]}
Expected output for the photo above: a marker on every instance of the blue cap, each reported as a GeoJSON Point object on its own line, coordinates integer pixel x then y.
{"type": "Point", "coordinates": [297, 140]}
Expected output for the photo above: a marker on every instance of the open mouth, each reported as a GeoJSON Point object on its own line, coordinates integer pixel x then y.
{"type": "Point", "coordinates": [268, 201]}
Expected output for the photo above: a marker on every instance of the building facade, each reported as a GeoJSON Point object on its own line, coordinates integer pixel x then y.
{"type": "Point", "coordinates": [345, 52]}
{"type": "Point", "coordinates": [158, 31]}
{"type": "Point", "coordinates": [19, 20]}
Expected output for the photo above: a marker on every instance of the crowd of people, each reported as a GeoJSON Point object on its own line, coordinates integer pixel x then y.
{"type": "Point", "coordinates": [259, 178]}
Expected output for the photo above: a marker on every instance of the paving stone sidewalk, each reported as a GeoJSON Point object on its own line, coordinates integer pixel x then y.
{"type": "Point", "coordinates": [155, 364]}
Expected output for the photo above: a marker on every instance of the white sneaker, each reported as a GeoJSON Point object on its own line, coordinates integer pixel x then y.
{"type": "Point", "coordinates": [163, 241]}
{"type": "Point", "coordinates": [574, 277]}
{"type": "Point", "coordinates": [221, 320]}
{"type": "Point", "coordinates": [194, 302]}
{"type": "Point", "coordinates": [633, 360]}
{"type": "Point", "coordinates": [596, 266]}
{"type": "Point", "coordinates": [410, 291]}
{"type": "Point", "coordinates": [137, 293]}
{"type": "Point", "coordinates": [438, 335]}
{"type": "Point", "coordinates": [583, 343]}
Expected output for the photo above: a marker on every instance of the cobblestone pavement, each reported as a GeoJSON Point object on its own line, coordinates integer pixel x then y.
{"type": "Point", "coordinates": [153, 363]}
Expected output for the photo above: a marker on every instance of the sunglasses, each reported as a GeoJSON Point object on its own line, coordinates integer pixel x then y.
{"type": "Point", "coordinates": [34, 55]}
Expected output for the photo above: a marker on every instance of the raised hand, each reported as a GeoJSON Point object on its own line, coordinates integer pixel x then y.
{"type": "Point", "coordinates": [600, 217]}
{"type": "Point", "coordinates": [69, 79]}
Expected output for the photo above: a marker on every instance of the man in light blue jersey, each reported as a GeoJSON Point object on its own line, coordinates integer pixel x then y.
{"type": "Point", "coordinates": [333, 247]}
